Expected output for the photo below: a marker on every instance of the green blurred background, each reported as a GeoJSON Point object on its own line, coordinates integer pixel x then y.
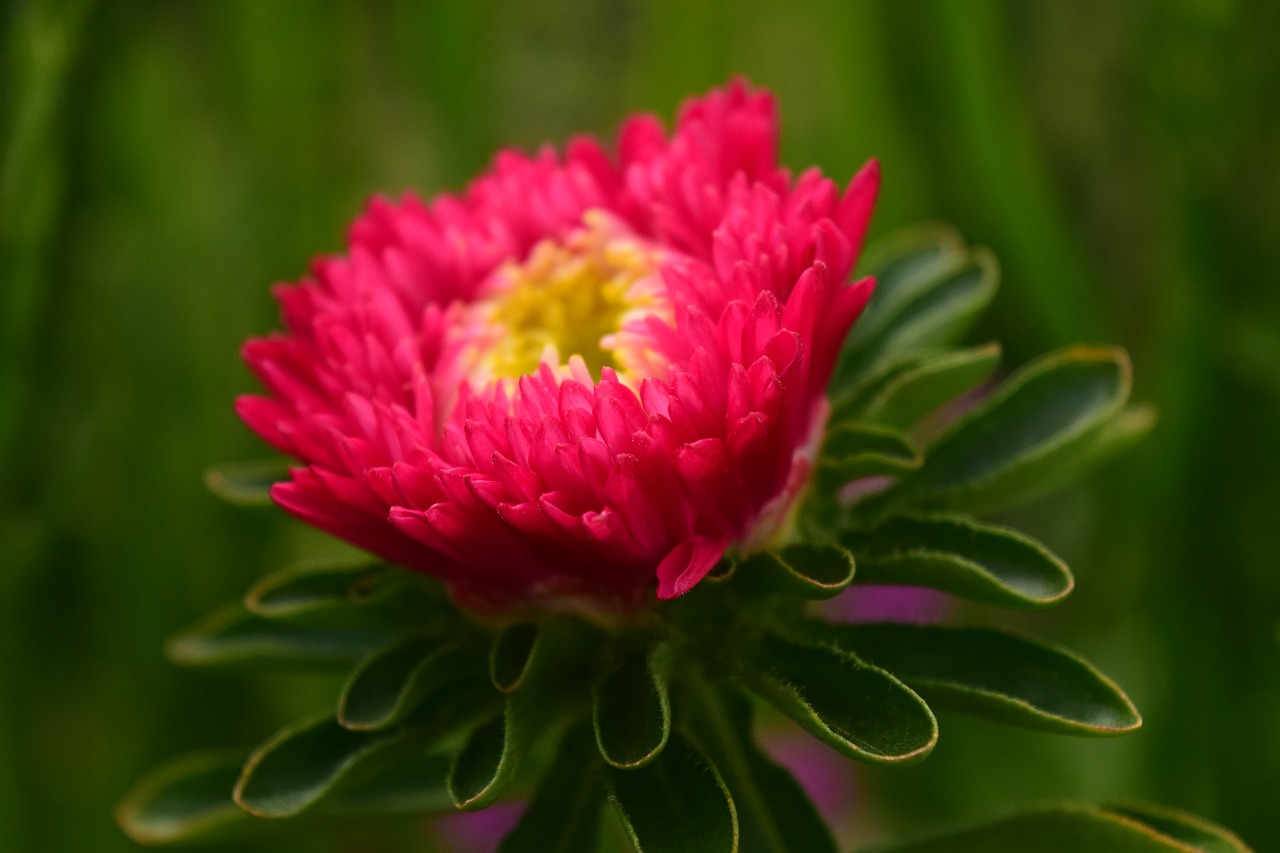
{"type": "Point", "coordinates": [165, 162]}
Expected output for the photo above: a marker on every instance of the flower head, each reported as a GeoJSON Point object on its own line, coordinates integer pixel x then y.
{"type": "Point", "coordinates": [582, 378]}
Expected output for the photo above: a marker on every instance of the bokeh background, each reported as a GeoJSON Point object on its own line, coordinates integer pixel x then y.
{"type": "Point", "coordinates": [165, 162]}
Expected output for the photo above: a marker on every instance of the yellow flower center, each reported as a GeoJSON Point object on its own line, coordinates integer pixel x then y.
{"type": "Point", "coordinates": [586, 296]}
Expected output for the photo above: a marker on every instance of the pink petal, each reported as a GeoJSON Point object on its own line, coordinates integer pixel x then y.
{"type": "Point", "coordinates": [686, 564]}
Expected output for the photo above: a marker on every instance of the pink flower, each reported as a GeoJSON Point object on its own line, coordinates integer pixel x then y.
{"type": "Point", "coordinates": [583, 377]}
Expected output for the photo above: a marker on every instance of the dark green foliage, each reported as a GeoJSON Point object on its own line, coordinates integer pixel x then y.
{"type": "Point", "coordinates": [565, 814]}
{"type": "Point", "coordinates": [189, 799]}
{"type": "Point", "coordinates": [231, 636]}
{"type": "Point", "coordinates": [631, 711]}
{"type": "Point", "coordinates": [994, 565]}
{"type": "Point", "coordinates": [1024, 437]}
{"type": "Point", "coordinates": [814, 570]}
{"type": "Point", "coordinates": [307, 763]}
{"type": "Point", "coordinates": [774, 812]}
{"type": "Point", "coordinates": [512, 653]}
{"type": "Point", "coordinates": [388, 684]}
{"type": "Point", "coordinates": [861, 711]}
{"type": "Point", "coordinates": [676, 804]}
{"type": "Point", "coordinates": [1075, 828]}
{"type": "Point", "coordinates": [994, 674]}
{"type": "Point", "coordinates": [920, 389]}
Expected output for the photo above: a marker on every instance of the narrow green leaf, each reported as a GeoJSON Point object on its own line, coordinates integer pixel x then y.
{"type": "Point", "coordinates": [1114, 437]}
{"type": "Point", "coordinates": [854, 450]}
{"type": "Point", "coordinates": [186, 799]}
{"type": "Point", "coordinates": [565, 814]}
{"type": "Point", "coordinates": [1021, 439]}
{"type": "Point", "coordinates": [512, 652]}
{"type": "Point", "coordinates": [944, 312]}
{"type": "Point", "coordinates": [556, 654]}
{"type": "Point", "coordinates": [927, 297]}
{"type": "Point", "coordinates": [492, 753]}
{"type": "Point", "coordinates": [919, 390]}
{"type": "Point", "coordinates": [851, 451]}
{"type": "Point", "coordinates": [808, 570]}
{"type": "Point", "coordinates": [350, 593]}
{"type": "Point", "coordinates": [306, 587]}
{"type": "Point", "coordinates": [982, 562]}
{"type": "Point", "coordinates": [996, 675]}
{"type": "Point", "coordinates": [676, 804]}
{"type": "Point", "coordinates": [390, 682]}
{"type": "Point", "coordinates": [485, 764]}
{"type": "Point", "coordinates": [546, 686]}
{"type": "Point", "coordinates": [860, 710]}
{"type": "Point", "coordinates": [247, 483]}
{"type": "Point", "coordinates": [906, 265]}
{"type": "Point", "coordinates": [1066, 828]}
{"type": "Point", "coordinates": [631, 713]}
{"type": "Point", "coordinates": [416, 787]}
{"type": "Point", "coordinates": [1191, 830]}
{"type": "Point", "coordinates": [1126, 429]}
{"type": "Point", "coordinates": [307, 763]}
{"type": "Point", "coordinates": [849, 400]}
{"type": "Point", "coordinates": [231, 636]}
{"type": "Point", "coordinates": [776, 814]}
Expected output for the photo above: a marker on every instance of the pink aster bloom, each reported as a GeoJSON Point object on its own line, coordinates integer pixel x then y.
{"type": "Point", "coordinates": [582, 378]}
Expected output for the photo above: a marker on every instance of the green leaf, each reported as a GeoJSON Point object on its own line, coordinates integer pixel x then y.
{"type": "Point", "coordinates": [996, 675]}
{"type": "Point", "coordinates": [1066, 828]}
{"type": "Point", "coordinates": [512, 652]}
{"type": "Point", "coordinates": [919, 390]}
{"type": "Point", "coordinates": [231, 636]}
{"type": "Point", "coordinates": [307, 763]}
{"type": "Point", "coordinates": [906, 265]}
{"type": "Point", "coordinates": [776, 814]}
{"type": "Point", "coordinates": [676, 804]}
{"type": "Point", "coordinates": [546, 674]}
{"type": "Point", "coordinates": [808, 570]}
{"type": "Point", "coordinates": [850, 400]}
{"type": "Point", "coordinates": [492, 753]}
{"type": "Point", "coordinates": [1114, 437]}
{"type": "Point", "coordinates": [308, 587]}
{"type": "Point", "coordinates": [559, 652]}
{"type": "Point", "coordinates": [347, 593]}
{"type": "Point", "coordinates": [186, 799]}
{"type": "Point", "coordinates": [854, 450]}
{"type": "Point", "coordinates": [1024, 437]}
{"type": "Point", "coordinates": [485, 764]}
{"type": "Point", "coordinates": [565, 814]}
{"type": "Point", "coordinates": [928, 293]}
{"type": "Point", "coordinates": [851, 451]}
{"type": "Point", "coordinates": [860, 710]}
{"type": "Point", "coordinates": [1193, 831]}
{"type": "Point", "coordinates": [247, 483]}
{"type": "Point", "coordinates": [1126, 429]}
{"type": "Point", "coordinates": [416, 787]}
{"type": "Point", "coordinates": [189, 800]}
{"type": "Point", "coordinates": [388, 684]}
{"type": "Point", "coordinates": [982, 562]}
{"type": "Point", "coordinates": [631, 713]}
